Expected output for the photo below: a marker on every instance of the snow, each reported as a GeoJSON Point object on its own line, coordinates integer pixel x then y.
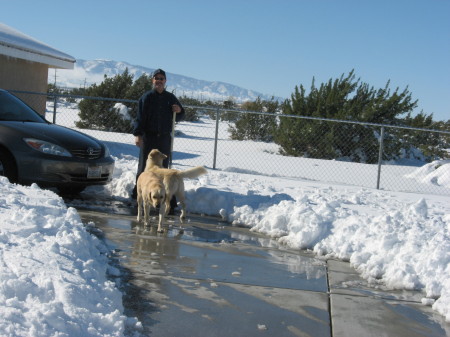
{"type": "Point", "coordinates": [54, 273]}
{"type": "Point", "coordinates": [12, 38]}
{"type": "Point", "coordinates": [122, 110]}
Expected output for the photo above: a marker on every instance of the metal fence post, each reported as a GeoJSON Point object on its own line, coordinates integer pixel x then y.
{"type": "Point", "coordinates": [54, 110]}
{"type": "Point", "coordinates": [380, 157]}
{"type": "Point", "coordinates": [216, 137]}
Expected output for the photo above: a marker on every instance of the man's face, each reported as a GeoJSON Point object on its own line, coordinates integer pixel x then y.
{"type": "Point", "coordinates": [159, 82]}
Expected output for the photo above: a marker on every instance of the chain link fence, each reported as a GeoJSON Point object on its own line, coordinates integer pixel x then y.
{"type": "Point", "coordinates": [206, 140]}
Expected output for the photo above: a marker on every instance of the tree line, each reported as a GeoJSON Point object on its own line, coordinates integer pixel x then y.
{"type": "Point", "coordinates": [346, 98]}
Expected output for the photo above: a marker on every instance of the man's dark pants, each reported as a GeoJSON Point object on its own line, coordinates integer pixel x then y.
{"type": "Point", "coordinates": [154, 141]}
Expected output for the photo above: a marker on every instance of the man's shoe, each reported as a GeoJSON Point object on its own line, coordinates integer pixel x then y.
{"type": "Point", "coordinates": [173, 203]}
{"type": "Point", "coordinates": [134, 193]}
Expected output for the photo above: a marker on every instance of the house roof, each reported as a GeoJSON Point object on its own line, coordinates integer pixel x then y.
{"type": "Point", "coordinates": [16, 44]}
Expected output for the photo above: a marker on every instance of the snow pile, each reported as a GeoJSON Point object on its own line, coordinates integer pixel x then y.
{"type": "Point", "coordinates": [436, 173]}
{"type": "Point", "coordinates": [122, 110]}
{"type": "Point", "coordinates": [52, 271]}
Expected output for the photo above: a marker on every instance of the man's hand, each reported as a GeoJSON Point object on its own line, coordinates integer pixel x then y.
{"type": "Point", "coordinates": [176, 108]}
{"type": "Point", "coordinates": [138, 141]}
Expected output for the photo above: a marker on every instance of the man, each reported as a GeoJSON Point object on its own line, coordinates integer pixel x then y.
{"type": "Point", "coordinates": [154, 120]}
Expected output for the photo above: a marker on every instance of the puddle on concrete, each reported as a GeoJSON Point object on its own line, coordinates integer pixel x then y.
{"type": "Point", "coordinates": [214, 279]}
{"type": "Point", "coordinates": [210, 249]}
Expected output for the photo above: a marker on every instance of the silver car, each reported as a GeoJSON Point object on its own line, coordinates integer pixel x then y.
{"type": "Point", "coordinates": [33, 150]}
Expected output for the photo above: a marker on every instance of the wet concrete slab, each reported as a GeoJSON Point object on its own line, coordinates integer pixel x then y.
{"type": "Point", "coordinates": [216, 280]}
{"type": "Point", "coordinates": [360, 309]}
{"type": "Point", "coordinates": [213, 279]}
{"type": "Point", "coordinates": [371, 316]}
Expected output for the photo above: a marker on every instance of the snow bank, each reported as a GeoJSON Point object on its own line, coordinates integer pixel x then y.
{"type": "Point", "coordinates": [53, 273]}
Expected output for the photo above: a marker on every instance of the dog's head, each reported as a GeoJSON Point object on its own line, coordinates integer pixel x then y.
{"type": "Point", "coordinates": [157, 197]}
{"type": "Point", "coordinates": [156, 157]}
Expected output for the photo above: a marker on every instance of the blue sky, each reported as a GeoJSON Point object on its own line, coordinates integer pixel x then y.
{"type": "Point", "coordinates": [265, 45]}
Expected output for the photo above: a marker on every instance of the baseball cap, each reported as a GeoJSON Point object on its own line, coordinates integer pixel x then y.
{"type": "Point", "coordinates": [159, 72]}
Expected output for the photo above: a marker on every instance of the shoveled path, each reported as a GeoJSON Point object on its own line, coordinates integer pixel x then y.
{"type": "Point", "coordinates": [214, 279]}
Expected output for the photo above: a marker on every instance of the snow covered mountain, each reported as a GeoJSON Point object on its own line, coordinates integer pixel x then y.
{"type": "Point", "coordinates": [88, 72]}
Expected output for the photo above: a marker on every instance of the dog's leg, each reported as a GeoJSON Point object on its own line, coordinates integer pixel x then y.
{"type": "Point", "coordinates": [162, 213]}
{"type": "Point", "coordinates": [146, 211]}
{"type": "Point", "coordinates": [139, 203]}
{"type": "Point", "coordinates": [183, 214]}
{"type": "Point", "coordinates": [183, 210]}
{"type": "Point", "coordinates": [181, 198]}
{"type": "Point", "coordinates": [167, 206]}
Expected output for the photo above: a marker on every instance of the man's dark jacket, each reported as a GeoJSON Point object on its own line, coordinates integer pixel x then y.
{"type": "Point", "coordinates": [155, 113]}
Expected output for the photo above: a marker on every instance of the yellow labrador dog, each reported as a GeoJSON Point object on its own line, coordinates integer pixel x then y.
{"type": "Point", "coordinates": [173, 182]}
{"type": "Point", "coordinates": [150, 191]}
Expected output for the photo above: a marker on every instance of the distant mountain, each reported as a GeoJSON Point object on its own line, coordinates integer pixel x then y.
{"type": "Point", "coordinates": [87, 73]}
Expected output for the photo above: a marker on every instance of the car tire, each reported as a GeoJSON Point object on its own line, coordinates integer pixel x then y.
{"type": "Point", "coordinates": [71, 190]}
{"type": "Point", "coordinates": [8, 167]}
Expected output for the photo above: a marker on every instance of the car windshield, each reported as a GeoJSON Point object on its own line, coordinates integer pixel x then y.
{"type": "Point", "coordinates": [13, 109]}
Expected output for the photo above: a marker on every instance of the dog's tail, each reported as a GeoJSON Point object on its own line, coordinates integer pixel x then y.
{"type": "Point", "coordinates": [193, 172]}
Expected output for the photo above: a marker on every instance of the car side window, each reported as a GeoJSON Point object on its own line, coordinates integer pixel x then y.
{"type": "Point", "coordinates": [13, 109]}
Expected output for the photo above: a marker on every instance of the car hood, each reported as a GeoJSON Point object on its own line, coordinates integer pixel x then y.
{"type": "Point", "coordinates": [53, 133]}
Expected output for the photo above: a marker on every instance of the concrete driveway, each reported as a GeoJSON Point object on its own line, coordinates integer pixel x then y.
{"type": "Point", "coordinates": [214, 279]}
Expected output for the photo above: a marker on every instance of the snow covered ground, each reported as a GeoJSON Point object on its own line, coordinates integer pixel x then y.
{"type": "Point", "coordinates": [52, 271]}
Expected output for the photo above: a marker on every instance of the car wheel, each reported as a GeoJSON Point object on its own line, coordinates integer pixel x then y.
{"type": "Point", "coordinates": [8, 167]}
{"type": "Point", "coordinates": [71, 190]}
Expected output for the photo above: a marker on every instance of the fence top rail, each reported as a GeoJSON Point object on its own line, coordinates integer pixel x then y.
{"type": "Point", "coordinates": [51, 94]}
{"type": "Point", "coordinates": [215, 108]}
